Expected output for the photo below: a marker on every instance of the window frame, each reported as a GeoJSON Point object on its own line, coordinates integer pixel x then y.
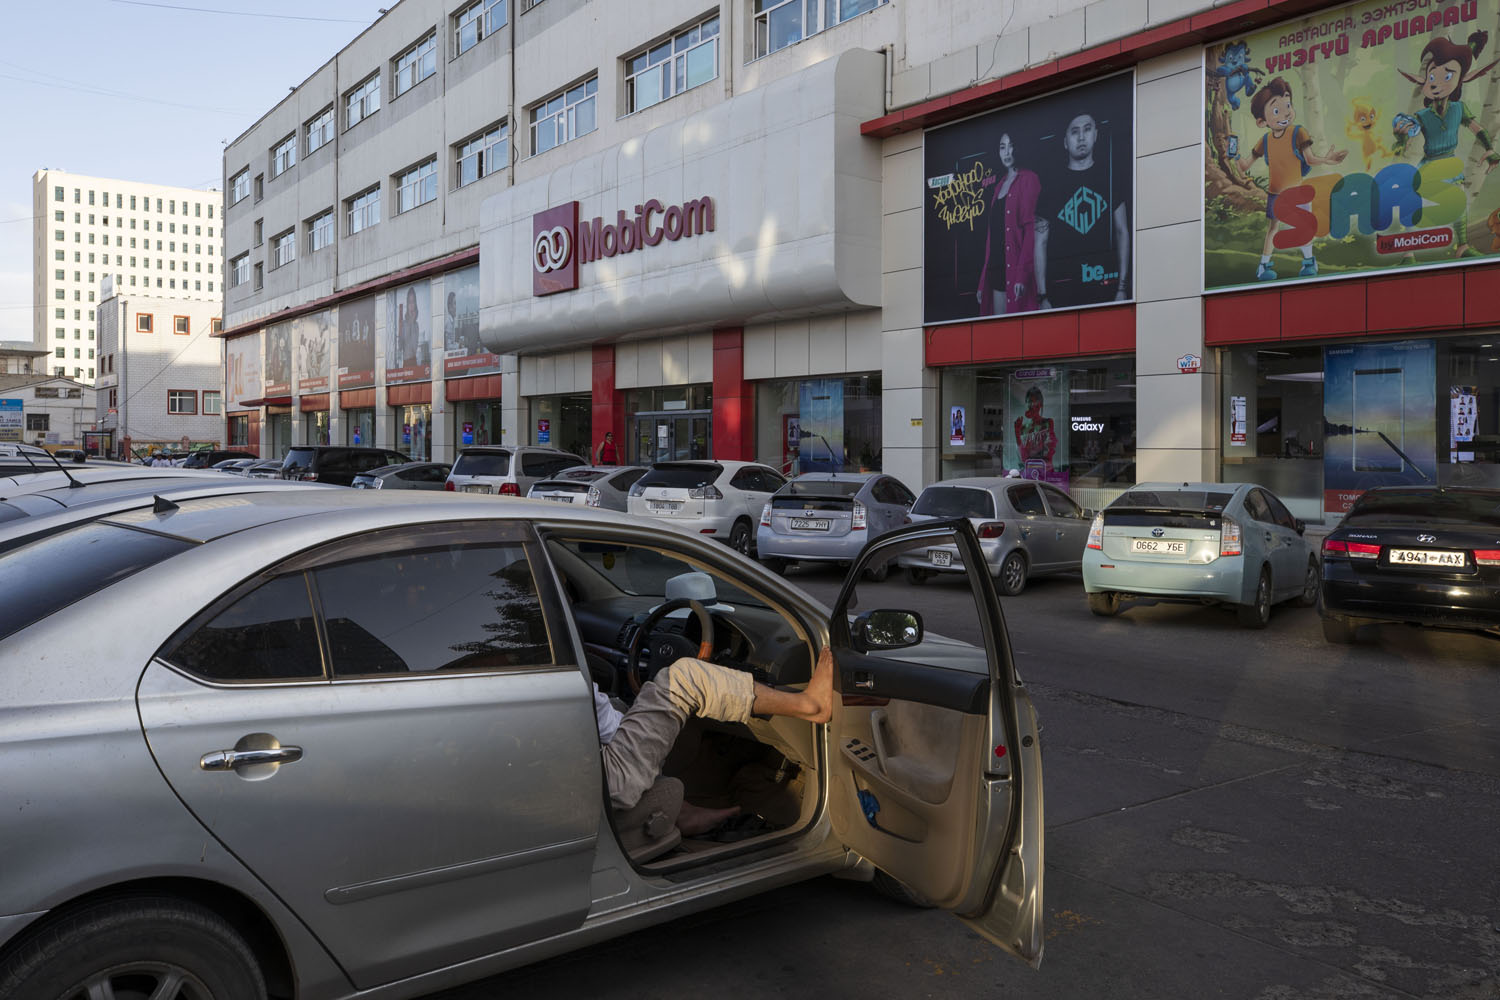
{"type": "Point", "coordinates": [480, 14]}
{"type": "Point", "coordinates": [669, 63]}
{"type": "Point", "coordinates": [182, 321]}
{"type": "Point", "coordinates": [361, 94]}
{"type": "Point", "coordinates": [218, 402]}
{"type": "Point", "coordinates": [419, 56]}
{"type": "Point", "coordinates": [240, 274]}
{"type": "Point", "coordinates": [181, 394]}
{"type": "Point", "coordinates": [367, 203]}
{"type": "Point", "coordinates": [314, 226]}
{"type": "Point", "coordinates": [565, 112]}
{"type": "Point", "coordinates": [283, 156]}
{"type": "Point", "coordinates": [419, 179]}
{"type": "Point", "coordinates": [760, 21]}
{"type": "Point", "coordinates": [324, 124]}
{"type": "Point", "coordinates": [149, 325]}
{"type": "Point", "coordinates": [283, 248]}
{"type": "Point", "coordinates": [239, 187]}
{"type": "Point", "coordinates": [482, 152]}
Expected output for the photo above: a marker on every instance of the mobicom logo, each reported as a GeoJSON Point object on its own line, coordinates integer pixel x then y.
{"type": "Point", "coordinates": [561, 244]}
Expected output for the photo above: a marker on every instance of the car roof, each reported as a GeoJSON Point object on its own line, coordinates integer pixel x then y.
{"type": "Point", "coordinates": [836, 477]}
{"type": "Point", "coordinates": [979, 482]}
{"type": "Point", "coordinates": [1200, 487]}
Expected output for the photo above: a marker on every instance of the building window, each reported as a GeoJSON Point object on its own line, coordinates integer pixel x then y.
{"type": "Point", "coordinates": [283, 249]}
{"type": "Point", "coordinates": [239, 269]}
{"type": "Point", "coordinates": [680, 63]}
{"type": "Point", "coordinates": [319, 131]}
{"type": "Point", "coordinates": [180, 325]}
{"type": "Point", "coordinates": [260, 193]}
{"type": "Point", "coordinates": [38, 421]}
{"type": "Point", "coordinates": [416, 64]}
{"type": "Point", "coordinates": [779, 23]}
{"type": "Point", "coordinates": [417, 186]}
{"type": "Point", "coordinates": [260, 276]}
{"type": "Point", "coordinates": [566, 116]}
{"type": "Point", "coordinates": [259, 230]}
{"type": "Point", "coordinates": [182, 402]}
{"type": "Point", "coordinates": [320, 231]}
{"type": "Point", "coordinates": [61, 352]}
{"type": "Point", "coordinates": [216, 325]}
{"type": "Point", "coordinates": [143, 323]}
{"type": "Point", "coordinates": [363, 210]}
{"type": "Point", "coordinates": [239, 189]}
{"type": "Point", "coordinates": [57, 194]}
{"type": "Point", "coordinates": [476, 21]}
{"type": "Point", "coordinates": [483, 154]}
{"type": "Point", "coordinates": [211, 407]}
{"type": "Point", "coordinates": [284, 156]}
{"type": "Point", "coordinates": [362, 102]}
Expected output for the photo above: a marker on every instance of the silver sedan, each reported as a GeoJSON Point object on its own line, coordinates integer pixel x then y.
{"type": "Point", "coordinates": [606, 487]}
{"type": "Point", "coordinates": [405, 476]}
{"type": "Point", "coordinates": [324, 743]}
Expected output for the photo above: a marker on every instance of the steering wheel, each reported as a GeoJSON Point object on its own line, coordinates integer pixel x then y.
{"type": "Point", "coordinates": [670, 645]}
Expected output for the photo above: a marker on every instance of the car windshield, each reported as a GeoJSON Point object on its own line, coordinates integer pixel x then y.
{"type": "Point", "coordinates": [1427, 505]}
{"type": "Point", "coordinates": [681, 475]}
{"type": "Point", "coordinates": [1194, 500]}
{"type": "Point", "coordinates": [955, 501]}
{"type": "Point", "coordinates": [821, 488]}
{"type": "Point", "coordinates": [482, 463]}
{"type": "Point", "coordinates": [299, 458]}
{"type": "Point", "coordinates": [54, 572]}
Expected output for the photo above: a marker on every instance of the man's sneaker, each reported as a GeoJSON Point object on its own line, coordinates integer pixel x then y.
{"type": "Point", "coordinates": [1309, 267]}
{"type": "Point", "coordinates": [1265, 273]}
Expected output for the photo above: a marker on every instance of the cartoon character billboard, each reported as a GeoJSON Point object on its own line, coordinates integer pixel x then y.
{"type": "Point", "coordinates": [1357, 140]}
{"type": "Point", "coordinates": [1029, 207]}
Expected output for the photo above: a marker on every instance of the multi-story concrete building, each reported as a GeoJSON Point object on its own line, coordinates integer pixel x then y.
{"type": "Point", "coordinates": [1070, 239]}
{"type": "Point", "coordinates": [154, 240]}
{"type": "Point", "coordinates": [161, 373]}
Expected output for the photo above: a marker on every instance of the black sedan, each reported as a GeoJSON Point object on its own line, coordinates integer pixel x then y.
{"type": "Point", "coordinates": [1420, 555]}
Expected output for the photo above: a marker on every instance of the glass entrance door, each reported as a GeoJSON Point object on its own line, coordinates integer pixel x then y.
{"type": "Point", "coordinates": [669, 437]}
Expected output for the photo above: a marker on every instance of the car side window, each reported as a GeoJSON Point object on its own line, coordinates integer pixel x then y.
{"type": "Point", "coordinates": [1026, 500]}
{"type": "Point", "coordinates": [1062, 505]}
{"type": "Point", "coordinates": [443, 608]}
{"type": "Point", "coordinates": [533, 464]}
{"type": "Point", "coordinates": [771, 480]}
{"type": "Point", "coordinates": [1279, 513]}
{"type": "Point", "coordinates": [1255, 504]}
{"type": "Point", "coordinates": [746, 479]}
{"type": "Point", "coordinates": [561, 462]}
{"type": "Point", "coordinates": [626, 479]}
{"type": "Point", "coordinates": [266, 635]}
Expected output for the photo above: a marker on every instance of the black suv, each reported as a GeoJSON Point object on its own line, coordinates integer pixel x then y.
{"type": "Point", "coordinates": [205, 458]}
{"type": "Point", "coordinates": [339, 466]}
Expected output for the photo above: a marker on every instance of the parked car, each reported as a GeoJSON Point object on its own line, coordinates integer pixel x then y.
{"type": "Point", "coordinates": [1234, 544]}
{"type": "Point", "coordinates": [77, 455]}
{"type": "Point", "coordinates": [335, 464]}
{"type": "Point", "coordinates": [603, 486]}
{"type": "Point", "coordinates": [234, 465]}
{"type": "Point", "coordinates": [722, 500]}
{"type": "Point", "coordinates": [829, 517]}
{"type": "Point", "coordinates": [25, 460]}
{"type": "Point", "coordinates": [405, 476]}
{"type": "Point", "coordinates": [205, 458]}
{"type": "Point", "coordinates": [239, 667]}
{"type": "Point", "coordinates": [1421, 555]}
{"type": "Point", "coordinates": [268, 468]}
{"type": "Point", "coordinates": [1025, 529]}
{"type": "Point", "coordinates": [506, 471]}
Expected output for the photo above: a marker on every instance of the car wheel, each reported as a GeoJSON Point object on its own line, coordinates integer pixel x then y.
{"type": "Point", "coordinates": [1104, 604]}
{"type": "Point", "coordinates": [899, 891]}
{"type": "Point", "coordinates": [1012, 575]}
{"type": "Point", "coordinates": [777, 566]}
{"type": "Point", "coordinates": [151, 947]}
{"type": "Point", "coordinates": [917, 577]}
{"type": "Point", "coordinates": [1258, 615]}
{"type": "Point", "coordinates": [739, 537]}
{"type": "Point", "coordinates": [1338, 630]}
{"type": "Point", "coordinates": [1310, 585]}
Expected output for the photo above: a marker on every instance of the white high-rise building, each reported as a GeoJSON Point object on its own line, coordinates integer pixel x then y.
{"type": "Point", "coordinates": [157, 241]}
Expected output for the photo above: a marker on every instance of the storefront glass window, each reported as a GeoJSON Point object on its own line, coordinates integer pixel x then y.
{"type": "Point", "coordinates": [414, 431]}
{"type": "Point", "coordinates": [239, 432]}
{"type": "Point", "coordinates": [476, 422]}
{"type": "Point", "coordinates": [1071, 423]}
{"type": "Point", "coordinates": [1468, 401]}
{"type": "Point", "coordinates": [315, 427]}
{"type": "Point", "coordinates": [1272, 426]}
{"type": "Point", "coordinates": [563, 421]}
{"type": "Point", "coordinates": [278, 431]}
{"type": "Point", "coordinates": [819, 424]}
{"type": "Point", "coordinates": [669, 423]}
{"type": "Point", "coordinates": [359, 427]}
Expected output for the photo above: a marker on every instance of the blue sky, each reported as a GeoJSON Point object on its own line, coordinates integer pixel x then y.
{"type": "Point", "coordinates": [144, 92]}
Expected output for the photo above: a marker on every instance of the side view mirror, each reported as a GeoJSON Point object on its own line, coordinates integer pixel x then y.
{"type": "Point", "coordinates": [1299, 524]}
{"type": "Point", "coordinates": [886, 628]}
{"type": "Point", "coordinates": [1089, 513]}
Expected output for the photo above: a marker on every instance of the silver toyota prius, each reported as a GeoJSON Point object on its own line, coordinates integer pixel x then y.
{"type": "Point", "coordinates": [328, 743]}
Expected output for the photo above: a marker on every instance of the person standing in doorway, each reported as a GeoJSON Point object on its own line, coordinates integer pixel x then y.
{"type": "Point", "coordinates": [607, 454]}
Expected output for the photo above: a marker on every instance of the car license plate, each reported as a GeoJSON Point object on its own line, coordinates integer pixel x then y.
{"type": "Point", "coordinates": [476, 488]}
{"type": "Point", "coordinates": [809, 524]}
{"type": "Point", "coordinates": [560, 498]}
{"type": "Point", "coordinates": [663, 506]}
{"type": "Point", "coordinates": [939, 558]}
{"type": "Point", "coordinates": [1159, 546]}
{"type": "Point", "coordinates": [1427, 557]}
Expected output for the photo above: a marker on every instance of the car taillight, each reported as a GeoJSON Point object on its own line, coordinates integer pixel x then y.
{"type": "Point", "coordinates": [858, 523]}
{"type": "Point", "coordinates": [992, 529]}
{"type": "Point", "coordinates": [1354, 550]}
{"type": "Point", "coordinates": [379, 484]}
{"type": "Point", "coordinates": [448, 485]}
{"type": "Point", "coordinates": [705, 493]}
{"type": "Point", "coordinates": [1230, 541]}
{"type": "Point", "coordinates": [510, 490]}
{"type": "Point", "coordinates": [594, 499]}
{"type": "Point", "coordinates": [638, 490]}
{"type": "Point", "coordinates": [765, 515]}
{"type": "Point", "coordinates": [1096, 533]}
{"type": "Point", "coordinates": [308, 477]}
{"type": "Point", "coordinates": [1487, 557]}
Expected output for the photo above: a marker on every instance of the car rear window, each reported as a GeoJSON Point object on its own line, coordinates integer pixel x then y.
{"type": "Point", "coordinates": [820, 488]}
{"type": "Point", "coordinates": [298, 458]}
{"type": "Point", "coordinates": [482, 463]}
{"type": "Point", "coordinates": [1428, 505]}
{"type": "Point", "coordinates": [1208, 501]}
{"type": "Point", "coordinates": [955, 501]}
{"type": "Point", "coordinates": [580, 475]}
{"type": "Point", "coordinates": [681, 475]}
{"type": "Point", "coordinates": [54, 572]}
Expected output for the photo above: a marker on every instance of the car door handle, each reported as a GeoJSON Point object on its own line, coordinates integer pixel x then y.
{"type": "Point", "coordinates": [229, 760]}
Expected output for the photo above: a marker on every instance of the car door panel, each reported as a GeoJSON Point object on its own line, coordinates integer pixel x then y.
{"type": "Point", "coordinates": [888, 678]}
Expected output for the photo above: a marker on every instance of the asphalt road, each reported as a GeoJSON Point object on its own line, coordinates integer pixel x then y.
{"type": "Point", "coordinates": [1230, 814]}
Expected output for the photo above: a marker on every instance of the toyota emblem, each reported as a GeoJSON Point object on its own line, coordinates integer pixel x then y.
{"type": "Point", "coordinates": [1427, 539]}
{"type": "Point", "coordinates": [552, 250]}
{"type": "Point", "coordinates": [665, 651]}
{"type": "Point", "coordinates": [1158, 532]}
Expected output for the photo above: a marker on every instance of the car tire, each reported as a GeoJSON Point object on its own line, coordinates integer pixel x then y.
{"type": "Point", "coordinates": [893, 888]}
{"type": "Point", "coordinates": [1338, 630]}
{"type": "Point", "coordinates": [777, 566]}
{"type": "Point", "coordinates": [739, 537]}
{"type": "Point", "coordinates": [1011, 579]}
{"type": "Point", "coordinates": [1258, 614]}
{"type": "Point", "coordinates": [917, 577]}
{"type": "Point", "coordinates": [875, 575]}
{"type": "Point", "coordinates": [1105, 604]}
{"type": "Point", "coordinates": [140, 942]}
{"type": "Point", "coordinates": [1311, 583]}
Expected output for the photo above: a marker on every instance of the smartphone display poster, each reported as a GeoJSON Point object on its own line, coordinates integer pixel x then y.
{"type": "Point", "coordinates": [1380, 419]}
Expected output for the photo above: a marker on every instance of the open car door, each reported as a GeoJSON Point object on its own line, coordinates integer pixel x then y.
{"type": "Point", "coordinates": [935, 770]}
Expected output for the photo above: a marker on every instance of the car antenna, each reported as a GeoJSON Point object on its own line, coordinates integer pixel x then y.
{"type": "Point", "coordinates": [73, 484]}
{"type": "Point", "coordinates": [163, 506]}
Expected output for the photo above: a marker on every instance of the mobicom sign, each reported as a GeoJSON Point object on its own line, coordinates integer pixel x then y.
{"type": "Point", "coordinates": [560, 245]}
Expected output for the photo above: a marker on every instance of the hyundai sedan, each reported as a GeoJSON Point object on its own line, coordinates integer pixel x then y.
{"type": "Point", "coordinates": [325, 743]}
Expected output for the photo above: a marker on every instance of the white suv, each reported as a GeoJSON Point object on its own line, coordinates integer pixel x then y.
{"type": "Point", "coordinates": [720, 499]}
{"type": "Point", "coordinates": [504, 470]}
